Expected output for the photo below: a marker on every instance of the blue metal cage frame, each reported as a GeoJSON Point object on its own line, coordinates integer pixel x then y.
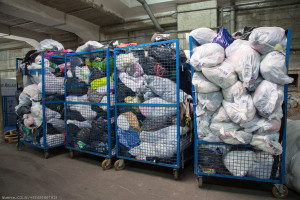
{"type": "Point", "coordinates": [111, 152]}
{"type": "Point", "coordinates": [44, 146]}
{"type": "Point", "coordinates": [280, 159]}
{"type": "Point", "coordinates": [179, 161]}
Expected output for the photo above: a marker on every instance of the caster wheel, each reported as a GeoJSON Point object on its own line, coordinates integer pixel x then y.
{"type": "Point", "coordinates": [119, 165]}
{"type": "Point", "coordinates": [71, 154]}
{"type": "Point", "coordinates": [106, 164]}
{"type": "Point", "coordinates": [46, 154]}
{"type": "Point", "coordinates": [19, 146]}
{"type": "Point", "coordinates": [175, 174]}
{"type": "Point", "coordinates": [200, 182]}
{"type": "Point", "coordinates": [280, 191]}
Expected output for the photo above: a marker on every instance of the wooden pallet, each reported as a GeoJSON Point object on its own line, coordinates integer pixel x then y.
{"type": "Point", "coordinates": [11, 136]}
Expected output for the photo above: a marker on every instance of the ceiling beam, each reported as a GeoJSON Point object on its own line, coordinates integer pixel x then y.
{"type": "Point", "coordinates": [36, 12]}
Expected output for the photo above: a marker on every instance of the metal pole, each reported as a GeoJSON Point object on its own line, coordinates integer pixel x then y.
{"type": "Point", "coordinates": [232, 17]}
{"type": "Point", "coordinates": [1, 117]}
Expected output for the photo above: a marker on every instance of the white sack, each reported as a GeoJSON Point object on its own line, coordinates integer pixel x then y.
{"type": "Point", "coordinates": [210, 101]}
{"type": "Point", "coordinates": [202, 35]}
{"type": "Point", "coordinates": [89, 46]}
{"type": "Point", "coordinates": [273, 68]}
{"type": "Point", "coordinates": [216, 127]}
{"type": "Point", "coordinates": [262, 166]}
{"type": "Point", "coordinates": [235, 46]}
{"type": "Point", "coordinates": [132, 82]}
{"type": "Point", "coordinates": [52, 140]}
{"type": "Point", "coordinates": [85, 110]}
{"type": "Point", "coordinates": [235, 137]}
{"type": "Point", "coordinates": [202, 85]}
{"type": "Point", "coordinates": [234, 92]}
{"type": "Point", "coordinates": [236, 165]}
{"type": "Point", "coordinates": [261, 125]}
{"type": "Point", "coordinates": [154, 111]}
{"type": "Point", "coordinates": [207, 55]}
{"type": "Point", "coordinates": [125, 60]}
{"type": "Point", "coordinates": [265, 39]}
{"type": "Point", "coordinates": [203, 123]}
{"type": "Point", "coordinates": [268, 143]}
{"type": "Point", "coordinates": [49, 44]}
{"type": "Point", "coordinates": [242, 110]}
{"type": "Point", "coordinates": [253, 84]}
{"type": "Point", "coordinates": [268, 97]}
{"type": "Point", "coordinates": [220, 116]}
{"type": "Point", "coordinates": [223, 75]}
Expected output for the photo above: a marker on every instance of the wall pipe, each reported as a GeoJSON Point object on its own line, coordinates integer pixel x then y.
{"type": "Point", "coordinates": [232, 17]}
{"type": "Point", "coordinates": [152, 17]}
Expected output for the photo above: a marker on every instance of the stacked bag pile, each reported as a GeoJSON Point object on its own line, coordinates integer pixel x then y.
{"type": "Point", "coordinates": [148, 76]}
{"type": "Point", "coordinates": [239, 94]}
{"type": "Point", "coordinates": [86, 84]}
{"type": "Point", "coordinates": [29, 95]}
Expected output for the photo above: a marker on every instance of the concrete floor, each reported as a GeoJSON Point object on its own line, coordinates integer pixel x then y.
{"type": "Point", "coordinates": [27, 173]}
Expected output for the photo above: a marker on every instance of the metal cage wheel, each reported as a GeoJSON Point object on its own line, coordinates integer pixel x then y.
{"type": "Point", "coordinates": [119, 165]}
{"type": "Point", "coordinates": [106, 164]}
{"type": "Point", "coordinates": [20, 146]}
{"type": "Point", "coordinates": [71, 154]}
{"type": "Point", "coordinates": [175, 174]}
{"type": "Point", "coordinates": [200, 181]}
{"type": "Point", "coordinates": [46, 154]}
{"type": "Point", "coordinates": [280, 191]}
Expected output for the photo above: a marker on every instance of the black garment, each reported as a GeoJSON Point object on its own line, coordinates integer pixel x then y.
{"type": "Point", "coordinates": [185, 80]}
{"type": "Point", "coordinates": [100, 112]}
{"type": "Point", "coordinates": [28, 55]}
{"type": "Point", "coordinates": [56, 60]}
{"type": "Point", "coordinates": [243, 34]}
{"type": "Point", "coordinates": [23, 110]}
{"type": "Point", "coordinates": [157, 123]}
{"type": "Point", "coordinates": [75, 115]}
{"type": "Point", "coordinates": [76, 87]}
{"type": "Point", "coordinates": [96, 74]}
{"type": "Point", "coordinates": [51, 130]}
{"type": "Point", "coordinates": [152, 67]}
{"type": "Point", "coordinates": [84, 135]}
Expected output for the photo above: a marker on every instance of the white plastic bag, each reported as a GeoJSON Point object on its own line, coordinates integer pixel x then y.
{"type": "Point", "coordinates": [50, 45]}
{"type": "Point", "coordinates": [268, 97]}
{"type": "Point", "coordinates": [53, 140]}
{"type": "Point", "coordinates": [216, 127]}
{"type": "Point", "coordinates": [52, 114]}
{"type": "Point", "coordinates": [236, 165]}
{"type": "Point", "coordinates": [220, 116]}
{"type": "Point", "coordinates": [131, 82]}
{"type": "Point", "coordinates": [164, 88]}
{"type": "Point", "coordinates": [32, 91]}
{"type": "Point", "coordinates": [85, 110]}
{"type": "Point", "coordinates": [262, 166]}
{"type": "Point", "coordinates": [89, 46]}
{"type": "Point", "coordinates": [266, 39]}
{"type": "Point", "coordinates": [235, 46]}
{"type": "Point", "coordinates": [253, 84]}
{"type": "Point", "coordinates": [261, 125]}
{"type": "Point", "coordinates": [202, 35]}
{"type": "Point", "coordinates": [154, 111]}
{"type": "Point", "coordinates": [242, 110]}
{"type": "Point", "coordinates": [145, 149]}
{"type": "Point", "coordinates": [24, 100]}
{"type": "Point", "coordinates": [212, 138]}
{"type": "Point", "coordinates": [207, 55]}
{"type": "Point", "coordinates": [273, 69]}
{"type": "Point", "coordinates": [124, 60]}
{"type": "Point", "coordinates": [58, 124]}
{"type": "Point", "coordinates": [82, 73]}
{"type": "Point", "coordinates": [203, 123]}
{"type": "Point", "coordinates": [223, 75]}
{"type": "Point", "coordinates": [37, 113]}
{"type": "Point", "coordinates": [202, 85]}
{"type": "Point", "coordinates": [234, 92]}
{"type": "Point", "coordinates": [235, 137]}
{"type": "Point", "coordinates": [268, 143]}
{"type": "Point", "coordinates": [210, 101]}
{"type": "Point", "coordinates": [246, 64]}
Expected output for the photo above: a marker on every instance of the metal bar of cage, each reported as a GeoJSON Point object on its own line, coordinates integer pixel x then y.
{"type": "Point", "coordinates": [70, 144]}
{"type": "Point", "coordinates": [280, 165]}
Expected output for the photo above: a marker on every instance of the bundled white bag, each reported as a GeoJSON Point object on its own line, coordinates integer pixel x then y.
{"type": "Point", "coordinates": [89, 46]}
{"type": "Point", "coordinates": [203, 123]}
{"type": "Point", "coordinates": [262, 166]}
{"type": "Point", "coordinates": [207, 55]}
{"type": "Point", "coordinates": [268, 143]}
{"type": "Point", "coordinates": [37, 113]}
{"type": "Point", "coordinates": [261, 125]}
{"type": "Point", "coordinates": [164, 88]}
{"type": "Point", "coordinates": [132, 82]}
{"type": "Point", "coordinates": [125, 60]}
{"type": "Point", "coordinates": [53, 140]}
{"type": "Point", "coordinates": [242, 110]}
{"type": "Point", "coordinates": [246, 64]}
{"type": "Point", "coordinates": [210, 101]}
{"type": "Point", "coordinates": [145, 149]}
{"type": "Point", "coordinates": [235, 46]}
{"type": "Point", "coordinates": [202, 85]}
{"type": "Point", "coordinates": [236, 165]}
{"type": "Point", "coordinates": [268, 97]}
{"type": "Point", "coordinates": [266, 39]}
{"type": "Point", "coordinates": [235, 137]}
{"type": "Point", "coordinates": [154, 111]}
{"type": "Point", "coordinates": [49, 44]}
{"type": "Point", "coordinates": [223, 75]}
{"type": "Point", "coordinates": [24, 100]}
{"type": "Point", "coordinates": [234, 92]}
{"type": "Point", "coordinates": [216, 127]}
{"type": "Point", "coordinates": [273, 69]}
{"type": "Point", "coordinates": [32, 91]}
{"type": "Point", "coordinates": [82, 73]}
{"type": "Point", "coordinates": [212, 138]}
{"type": "Point", "coordinates": [200, 110]}
{"type": "Point", "coordinates": [220, 116]}
{"type": "Point", "coordinates": [253, 84]}
{"type": "Point", "coordinates": [202, 35]}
